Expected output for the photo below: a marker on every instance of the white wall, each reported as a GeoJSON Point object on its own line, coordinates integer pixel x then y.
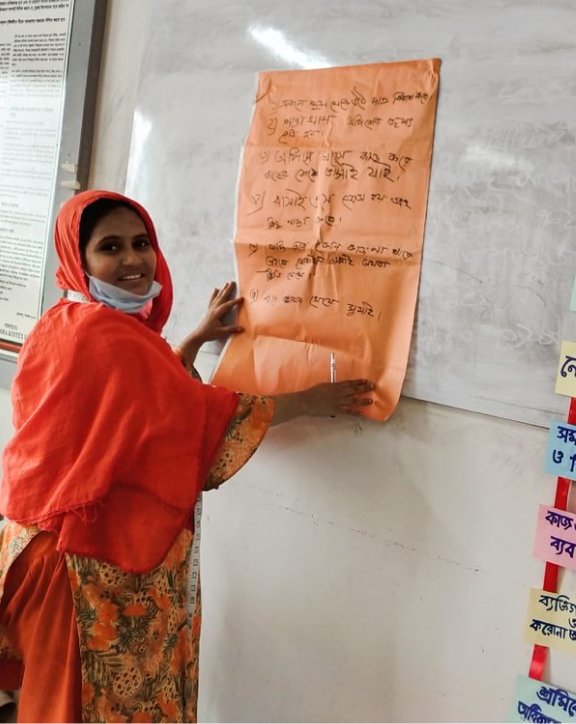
{"type": "Point", "coordinates": [118, 83]}
{"type": "Point", "coordinates": [395, 596]}
{"type": "Point", "coordinates": [392, 597]}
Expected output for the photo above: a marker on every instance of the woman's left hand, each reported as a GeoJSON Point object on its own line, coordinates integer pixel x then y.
{"type": "Point", "coordinates": [325, 399]}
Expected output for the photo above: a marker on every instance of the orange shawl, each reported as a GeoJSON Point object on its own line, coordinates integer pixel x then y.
{"type": "Point", "coordinates": [113, 439]}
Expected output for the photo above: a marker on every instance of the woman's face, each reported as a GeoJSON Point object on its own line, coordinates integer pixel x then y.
{"type": "Point", "coordinates": [119, 252]}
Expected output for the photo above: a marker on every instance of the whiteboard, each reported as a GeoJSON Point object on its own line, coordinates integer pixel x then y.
{"type": "Point", "coordinates": [499, 253]}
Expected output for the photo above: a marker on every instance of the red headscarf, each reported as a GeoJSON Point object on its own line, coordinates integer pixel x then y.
{"type": "Point", "coordinates": [70, 274]}
{"type": "Point", "coordinates": [113, 439]}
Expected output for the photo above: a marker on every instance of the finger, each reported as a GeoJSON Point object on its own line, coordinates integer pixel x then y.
{"type": "Point", "coordinates": [363, 402]}
{"type": "Point", "coordinates": [358, 389]}
{"type": "Point", "coordinates": [215, 293]}
{"type": "Point", "coordinates": [357, 405]}
{"type": "Point", "coordinates": [227, 289]}
{"type": "Point", "coordinates": [223, 291]}
{"type": "Point", "coordinates": [232, 302]}
{"type": "Point", "coordinates": [351, 403]}
{"type": "Point", "coordinates": [230, 329]}
{"type": "Point", "coordinates": [224, 295]}
{"type": "Point", "coordinates": [223, 308]}
{"type": "Point", "coordinates": [357, 383]}
{"type": "Point", "coordinates": [364, 386]}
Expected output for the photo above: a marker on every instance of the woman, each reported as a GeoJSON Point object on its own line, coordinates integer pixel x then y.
{"type": "Point", "coordinates": [114, 442]}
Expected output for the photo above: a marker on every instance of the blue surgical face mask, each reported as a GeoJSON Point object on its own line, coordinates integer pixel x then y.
{"type": "Point", "coordinates": [118, 298]}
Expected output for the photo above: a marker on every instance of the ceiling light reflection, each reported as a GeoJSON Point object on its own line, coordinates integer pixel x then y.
{"type": "Point", "coordinates": [278, 44]}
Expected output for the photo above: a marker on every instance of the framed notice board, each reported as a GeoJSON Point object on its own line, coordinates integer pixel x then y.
{"type": "Point", "coordinates": [49, 60]}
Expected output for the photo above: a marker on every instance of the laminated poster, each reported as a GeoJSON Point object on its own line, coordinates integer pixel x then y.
{"type": "Point", "coordinates": [537, 701]}
{"type": "Point", "coordinates": [551, 620]}
{"type": "Point", "coordinates": [329, 231]}
{"type": "Point", "coordinates": [561, 450]}
{"type": "Point", "coordinates": [556, 537]}
{"type": "Point", "coordinates": [34, 42]}
{"type": "Point", "coordinates": [566, 379]}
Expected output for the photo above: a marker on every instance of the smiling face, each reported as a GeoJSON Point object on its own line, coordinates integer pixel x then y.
{"type": "Point", "coordinates": [119, 252]}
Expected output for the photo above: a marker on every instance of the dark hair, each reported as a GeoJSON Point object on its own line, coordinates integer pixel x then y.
{"type": "Point", "coordinates": [93, 214]}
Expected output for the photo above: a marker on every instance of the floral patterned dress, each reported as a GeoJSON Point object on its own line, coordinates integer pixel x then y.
{"type": "Point", "coordinates": [139, 633]}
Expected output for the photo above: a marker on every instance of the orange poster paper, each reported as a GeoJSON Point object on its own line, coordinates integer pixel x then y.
{"type": "Point", "coordinates": [330, 224]}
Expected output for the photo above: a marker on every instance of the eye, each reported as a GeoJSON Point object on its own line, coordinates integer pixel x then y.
{"type": "Point", "coordinates": [142, 243]}
{"type": "Point", "coordinates": [108, 247]}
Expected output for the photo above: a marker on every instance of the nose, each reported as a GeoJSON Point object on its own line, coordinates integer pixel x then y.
{"type": "Point", "coordinates": [131, 257]}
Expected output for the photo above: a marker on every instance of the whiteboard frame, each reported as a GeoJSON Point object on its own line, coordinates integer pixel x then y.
{"type": "Point", "coordinates": [77, 130]}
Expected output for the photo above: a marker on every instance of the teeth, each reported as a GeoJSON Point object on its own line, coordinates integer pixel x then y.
{"type": "Point", "coordinates": [133, 276]}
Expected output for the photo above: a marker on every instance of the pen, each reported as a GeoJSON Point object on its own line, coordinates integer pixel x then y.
{"type": "Point", "coordinates": [332, 367]}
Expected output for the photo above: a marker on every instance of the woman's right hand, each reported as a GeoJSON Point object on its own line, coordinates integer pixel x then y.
{"type": "Point", "coordinates": [323, 400]}
{"type": "Point", "coordinates": [211, 327]}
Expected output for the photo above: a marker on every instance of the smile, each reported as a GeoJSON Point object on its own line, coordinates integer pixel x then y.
{"type": "Point", "coordinates": [130, 277]}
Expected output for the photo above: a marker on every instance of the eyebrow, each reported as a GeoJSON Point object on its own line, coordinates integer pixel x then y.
{"type": "Point", "coordinates": [115, 237]}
